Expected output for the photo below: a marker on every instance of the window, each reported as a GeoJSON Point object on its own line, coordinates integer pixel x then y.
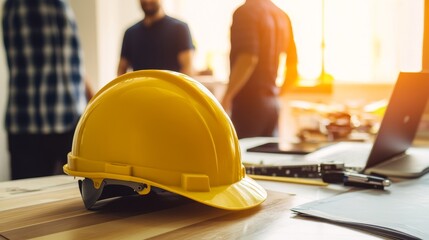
{"type": "Point", "coordinates": [210, 23]}
{"type": "Point", "coordinates": [364, 40]}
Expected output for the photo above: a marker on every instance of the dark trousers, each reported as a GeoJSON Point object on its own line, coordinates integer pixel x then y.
{"type": "Point", "coordinates": [37, 155]}
{"type": "Point", "coordinates": [255, 115]}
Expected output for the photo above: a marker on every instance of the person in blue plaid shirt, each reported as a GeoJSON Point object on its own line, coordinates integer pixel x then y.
{"type": "Point", "coordinates": [47, 92]}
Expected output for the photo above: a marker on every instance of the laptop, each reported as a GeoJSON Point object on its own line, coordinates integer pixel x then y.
{"type": "Point", "coordinates": [390, 154]}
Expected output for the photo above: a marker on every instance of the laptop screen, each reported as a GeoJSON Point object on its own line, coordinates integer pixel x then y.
{"type": "Point", "coordinates": [402, 117]}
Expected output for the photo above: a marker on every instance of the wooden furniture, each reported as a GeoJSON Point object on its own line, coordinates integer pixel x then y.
{"type": "Point", "coordinates": [51, 208]}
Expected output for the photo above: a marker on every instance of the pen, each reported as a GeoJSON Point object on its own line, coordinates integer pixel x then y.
{"type": "Point", "coordinates": [363, 180]}
{"type": "Point", "coordinates": [355, 179]}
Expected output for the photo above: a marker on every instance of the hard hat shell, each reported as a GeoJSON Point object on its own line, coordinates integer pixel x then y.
{"type": "Point", "coordinates": [165, 130]}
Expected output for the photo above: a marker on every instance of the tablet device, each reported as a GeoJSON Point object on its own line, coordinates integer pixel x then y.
{"type": "Point", "coordinates": [288, 148]}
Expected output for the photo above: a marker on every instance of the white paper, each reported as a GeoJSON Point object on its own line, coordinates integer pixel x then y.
{"type": "Point", "coordinates": [402, 210]}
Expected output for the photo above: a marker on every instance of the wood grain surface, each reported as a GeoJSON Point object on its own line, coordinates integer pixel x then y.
{"type": "Point", "coordinates": [59, 213]}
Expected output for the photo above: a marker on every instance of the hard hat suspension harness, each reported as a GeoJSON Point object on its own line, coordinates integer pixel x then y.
{"type": "Point", "coordinates": [107, 189]}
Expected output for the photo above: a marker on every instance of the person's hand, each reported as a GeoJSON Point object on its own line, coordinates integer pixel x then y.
{"type": "Point", "coordinates": [227, 105]}
{"type": "Point", "coordinates": [89, 89]}
{"type": "Point", "coordinates": [290, 82]}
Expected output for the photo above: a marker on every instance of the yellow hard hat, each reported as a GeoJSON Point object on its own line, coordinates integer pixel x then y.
{"type": "Point", "coordinates": [162, 129]}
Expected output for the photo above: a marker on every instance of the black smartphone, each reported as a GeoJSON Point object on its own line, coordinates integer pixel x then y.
{"type": "Point", "coordinates": [288, 148]}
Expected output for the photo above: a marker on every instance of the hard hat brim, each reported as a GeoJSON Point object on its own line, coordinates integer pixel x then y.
{"type": "Point", "coordinates": [244, 194]}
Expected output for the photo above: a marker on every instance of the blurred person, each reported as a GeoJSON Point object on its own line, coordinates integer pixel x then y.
{"type": "Point", "coordinates": [260, 33]}
{"type": "Point", "coordinates": [47, 93]}
{"type": "Point", "coordinates": [157, 42]}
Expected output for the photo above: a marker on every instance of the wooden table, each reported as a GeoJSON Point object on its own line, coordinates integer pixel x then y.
{"type": "Point", "coordinates": [51, 208]}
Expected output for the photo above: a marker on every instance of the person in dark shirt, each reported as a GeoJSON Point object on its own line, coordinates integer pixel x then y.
{"type": "Point", "coordinates": [157, 42]}
{"type": "Point", "coordinates": [260, 33]}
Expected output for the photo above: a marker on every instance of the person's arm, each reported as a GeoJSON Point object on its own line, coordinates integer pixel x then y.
{"type": "Point", "coordinates": [89, 88]}
{"type": "Point", "coordinates": [122, 66]}
{"type": "Point", "coordinates": [291, 75]}
{"type": "Point", "coordinates": [185, 60]}
{"type": "Point", "coordinates": [241, 71]}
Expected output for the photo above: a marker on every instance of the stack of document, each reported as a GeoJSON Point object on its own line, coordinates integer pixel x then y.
{"type": "Point", "coordinates": [401, 211]}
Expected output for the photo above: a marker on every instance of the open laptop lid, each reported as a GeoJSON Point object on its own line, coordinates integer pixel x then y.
{"type": "Point", "coordinates": [399, 126]}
